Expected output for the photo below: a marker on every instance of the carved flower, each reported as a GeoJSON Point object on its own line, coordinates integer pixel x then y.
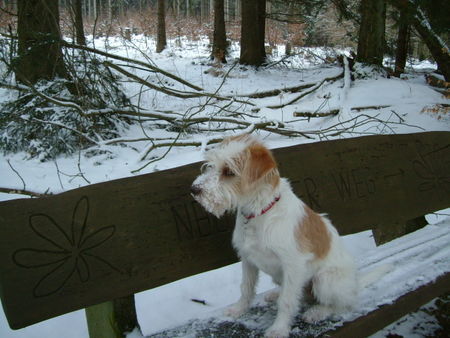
{"type": "Point", "coordinates": [434, 173]}
{"type": "Point", "coordinates": [65, 253]}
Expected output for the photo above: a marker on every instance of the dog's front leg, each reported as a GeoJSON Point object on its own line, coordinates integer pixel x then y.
{"type": "Point", "coordinates": [288, 303]}
{"type": "Point", "coordinates": [249, 278]}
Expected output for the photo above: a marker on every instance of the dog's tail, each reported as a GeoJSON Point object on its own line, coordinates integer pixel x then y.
{"type": "Point", "coordinates": [372, 276]}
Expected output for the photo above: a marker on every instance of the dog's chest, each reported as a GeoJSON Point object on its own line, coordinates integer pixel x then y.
{"type": "Point", "coordinates": [251, 246]}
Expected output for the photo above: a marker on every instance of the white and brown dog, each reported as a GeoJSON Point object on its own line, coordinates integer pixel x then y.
{"type": "Point", "coordinates": [276, 233]}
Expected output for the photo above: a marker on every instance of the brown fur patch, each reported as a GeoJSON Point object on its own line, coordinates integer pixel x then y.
{"type": "Point", "coordinates": [259, 163]}
{"type": "Point", "coordinates": [312, 234]}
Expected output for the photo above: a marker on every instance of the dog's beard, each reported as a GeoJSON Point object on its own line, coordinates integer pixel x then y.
{"type": "Point", "coordinates": [215, 201]}
{"type": "Point", "coordinates": [216, 210]}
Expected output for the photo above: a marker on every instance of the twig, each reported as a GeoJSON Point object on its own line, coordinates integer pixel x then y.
{"type": "Point", "coordinates": [178, 144]}
{"type": "Point", "coordinates": [79, 168]}
{"type": "Point", "coordinates": [22, 192]}
{"type": "Point", "coordinates": [59, 176]}
{"type": "Point", "coordinates": [4, 10]}
{"type": "Point", "coordinates": [17, 173]}
{"type": "Point", "coordinates": [200, 301]}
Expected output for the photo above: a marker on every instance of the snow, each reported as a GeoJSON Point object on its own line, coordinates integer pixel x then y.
{"type": "Point", "coordinates": [418, 258]}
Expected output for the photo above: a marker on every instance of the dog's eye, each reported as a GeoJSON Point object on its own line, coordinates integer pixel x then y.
{"type": "Point", "coordinates": [206, 167]}
{"type": "Point", "coordinates": [227, 172]}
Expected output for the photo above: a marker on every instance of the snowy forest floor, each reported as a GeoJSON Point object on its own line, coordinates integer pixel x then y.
{"type": "Point", "coordinates": [390, 105]}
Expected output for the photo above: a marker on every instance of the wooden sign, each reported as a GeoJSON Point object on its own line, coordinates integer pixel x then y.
{"type": "Point", "coordinates": [113, 239]}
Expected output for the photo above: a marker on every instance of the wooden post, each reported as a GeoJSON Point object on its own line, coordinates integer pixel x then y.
{"type": "Point", "coordinates": [111, 319]}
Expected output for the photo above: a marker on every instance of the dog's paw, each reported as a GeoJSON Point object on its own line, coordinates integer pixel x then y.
{"type": "Point", "coordinates": [277, 332]}
{"type": "Point", "coordinates": [316, 314]}
{"type": "Point", "coordinates": [271, 296]}
{"type": "Point", "coordinates": [235, 310]}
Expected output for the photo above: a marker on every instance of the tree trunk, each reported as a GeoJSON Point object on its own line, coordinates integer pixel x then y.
{"type": "Point", "coordinates": [402, 40]}
{"type": "Point", "coordinates": [219, 39]}
{"type": "Point", "coordinates": [161, 35]}
{"type": "Point", "coordinates": [438, 49]}
{"type": "Point", "coordinates": [371, 32]}
{"type": "Point", "coordinates": [40, 54]}
{"type": "Point", "coordinates": [78, 22]}
{"type": "Point", "coordinates": [253, 32]}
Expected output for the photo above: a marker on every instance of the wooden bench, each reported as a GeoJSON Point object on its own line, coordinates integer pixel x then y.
{"type": "Point", "coordinates": [94, 247]}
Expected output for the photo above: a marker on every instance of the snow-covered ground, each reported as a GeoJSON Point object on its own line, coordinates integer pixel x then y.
{"type": "Point", "coordinates": [405, 105]}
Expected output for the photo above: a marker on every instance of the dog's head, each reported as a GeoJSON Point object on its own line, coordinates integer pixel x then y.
{"type": "Point", "coordinates": [236, 171]}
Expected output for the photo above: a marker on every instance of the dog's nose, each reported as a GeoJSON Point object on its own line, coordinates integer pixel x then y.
{"type": "Point", "coordinates": [196, 190]}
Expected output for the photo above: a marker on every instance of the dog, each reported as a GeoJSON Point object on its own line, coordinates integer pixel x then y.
{"type": "Point", "coordinates": [276, 233]}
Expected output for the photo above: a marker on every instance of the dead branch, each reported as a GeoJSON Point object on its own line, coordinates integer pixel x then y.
{"type": "Point", "coordinates": [22, 192]}
{"type": "Point", "coordinates": [60, 125]}
{"type": "Point", "coordinates": [17, 87]}
{"type": "Point", "coordinates": [314, 88]}
{"type": "Point", "coordinates": [146, 83]}
{"type": "Point", "coordinates": [171, 92]}
{"type": "Point", "coordinates": [317, 114]}
{"type": "Point", "coordinates": [177, 144]}
{"type": "Point", "coordinates": [137, 62]}
{"type": "Point", "coordinates": [17, 173]}
{"type": "Point", "coordinates": [275, 92]}
{"type": "Point", "coordinates": [358, 109]}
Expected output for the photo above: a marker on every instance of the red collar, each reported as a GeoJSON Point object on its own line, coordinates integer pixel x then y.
{"type": "Point", "coordinates": [263, 211]}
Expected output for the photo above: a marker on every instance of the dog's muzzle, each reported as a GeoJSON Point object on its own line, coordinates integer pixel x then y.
{"type": "Point", "coordinates": [195, 190]}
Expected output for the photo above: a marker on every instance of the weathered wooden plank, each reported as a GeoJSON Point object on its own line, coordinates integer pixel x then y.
{"type": "Point", "coordinates": [387, 314]}
{"type": "Point", "coordinates": [109, 240]}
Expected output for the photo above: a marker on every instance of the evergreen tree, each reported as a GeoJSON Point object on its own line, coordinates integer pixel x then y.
{"type": "Point", "coordinates": [40, 54]}
{"type": "Point", "coordinates": [77, 18]}
{"type": "Point", "coordinates": [161, 34]}
{"type": "Point", "coordinates": [371, 32]}
{"type": "Point", "coordinates": [253, 32]}
{"type": "Point", "coordinates": [219, 38]}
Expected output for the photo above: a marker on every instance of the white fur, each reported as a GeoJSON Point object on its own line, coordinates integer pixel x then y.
{"type": "Point", "coordinates": [267, 242]}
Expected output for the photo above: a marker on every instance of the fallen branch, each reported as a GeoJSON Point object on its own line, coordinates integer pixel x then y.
{"type": "Point", "coordinates": [317, 86]}
{"type": "Point", "coordinates": [369, 108]}
{"type": "Point", "coordinates": [317, 114]}
{"type": "Point", "coordinates": [171, 92]}
{"type": "Point", "coordinates": [137, 62]}
{"type": "Point", "coordinates": [60, 125]}
{"type": "Point", "coordinates": [275, 92]}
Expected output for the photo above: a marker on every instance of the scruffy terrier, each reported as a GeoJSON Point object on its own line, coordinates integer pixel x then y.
{"type": "Point", "coordinates": [276, 233]}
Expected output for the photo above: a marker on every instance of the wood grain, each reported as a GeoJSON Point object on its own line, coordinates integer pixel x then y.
{"type": "Point", "coordinates": [113, 239]}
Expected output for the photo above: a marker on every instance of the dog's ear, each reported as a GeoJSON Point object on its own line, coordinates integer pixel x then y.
{"type": "Point", "coordinates": [259, 163]}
